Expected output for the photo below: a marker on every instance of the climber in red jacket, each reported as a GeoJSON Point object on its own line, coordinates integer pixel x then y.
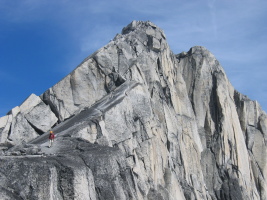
{"type": "Point", "coordinates": [51, 138]}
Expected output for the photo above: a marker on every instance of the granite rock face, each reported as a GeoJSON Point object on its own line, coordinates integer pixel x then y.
{"type": "Point", "coordinates": [135, 121]}
{"type": "Point", "coordinates": [27, 121]}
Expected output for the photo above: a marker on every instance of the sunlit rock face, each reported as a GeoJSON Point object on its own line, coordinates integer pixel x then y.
{"type": "Point", "coordinates": [135, 121]}
{"type": "Point", "coordinates": [26, 122]}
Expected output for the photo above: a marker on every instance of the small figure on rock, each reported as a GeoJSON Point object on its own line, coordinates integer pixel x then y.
{"type": "Point", "coordinates": [51, 138]}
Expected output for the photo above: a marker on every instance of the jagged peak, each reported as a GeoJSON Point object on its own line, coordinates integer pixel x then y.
{"type": "Point", "coordinates": [198, 48]}
{"type": "Point", "coordinates": [195, 50]}
{"type": "Point", "coordinates": [145, 26]}
{"type": "Point", "coordinates": [132, 103]}
{"type": "Point", "coordinates": [202, 55]}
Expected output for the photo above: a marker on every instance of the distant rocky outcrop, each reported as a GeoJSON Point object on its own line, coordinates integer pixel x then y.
{"type": "Point", "coordinates": [135, 121]}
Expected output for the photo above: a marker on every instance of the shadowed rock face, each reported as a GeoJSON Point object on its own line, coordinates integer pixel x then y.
{"type": "Point", "coordinates": [135, 121]}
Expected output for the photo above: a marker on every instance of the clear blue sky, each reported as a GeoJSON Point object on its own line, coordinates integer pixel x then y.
{"type": "Point", "coordinates": [41, 41]}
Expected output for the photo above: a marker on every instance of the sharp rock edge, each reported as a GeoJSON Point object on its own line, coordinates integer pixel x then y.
{"type": "Point", "coordinates": [136, 121]}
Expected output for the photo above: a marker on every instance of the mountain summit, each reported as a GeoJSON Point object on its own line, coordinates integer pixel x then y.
{"type": "Point", "coordinates": [135, 121]}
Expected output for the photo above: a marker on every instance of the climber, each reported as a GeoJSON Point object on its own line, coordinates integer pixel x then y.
{"type": "Point", "coordinates": [51, 138]}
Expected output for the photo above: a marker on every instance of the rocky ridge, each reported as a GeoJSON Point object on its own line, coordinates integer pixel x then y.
{"type": "Point", "coordinates": [135, 121]}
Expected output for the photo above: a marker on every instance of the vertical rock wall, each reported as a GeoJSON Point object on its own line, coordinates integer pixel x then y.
{"type": "Point", "coordinates": [160, 126]}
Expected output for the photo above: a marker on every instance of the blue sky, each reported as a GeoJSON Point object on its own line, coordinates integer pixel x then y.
{"type": "Point", "coordinates": [41, 41]}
